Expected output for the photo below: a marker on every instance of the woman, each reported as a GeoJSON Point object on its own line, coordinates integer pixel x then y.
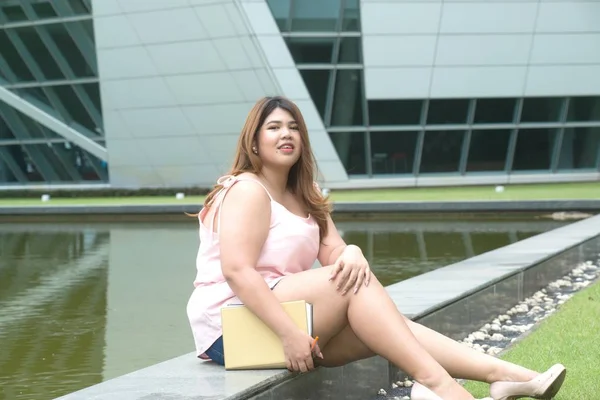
{"type": "Point", "coordinates": [261, 230]}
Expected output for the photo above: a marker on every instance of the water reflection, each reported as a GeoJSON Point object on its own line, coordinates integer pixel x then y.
{"type": "Point", "coordinates": [82, 303]}
{"type": "Point", "coordinates": [401, 250]}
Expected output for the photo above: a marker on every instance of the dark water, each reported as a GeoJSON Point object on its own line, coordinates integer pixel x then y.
{"type": "Point", "coordinates": [84, 302]}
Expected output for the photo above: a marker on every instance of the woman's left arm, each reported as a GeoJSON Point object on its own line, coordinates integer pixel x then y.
{"type": "Point", "coordinates": [350, 267]}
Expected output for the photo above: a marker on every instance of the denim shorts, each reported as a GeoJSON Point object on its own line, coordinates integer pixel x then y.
{"type": "Point", "coordinates": [215, 351]}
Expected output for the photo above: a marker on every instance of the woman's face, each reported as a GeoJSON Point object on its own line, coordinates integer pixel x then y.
{"type": "Point", "coordinates": [279, 141]}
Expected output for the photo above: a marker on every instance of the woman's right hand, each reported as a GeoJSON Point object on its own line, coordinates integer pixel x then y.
{"type": "Point", "coordinates": [298, 353]}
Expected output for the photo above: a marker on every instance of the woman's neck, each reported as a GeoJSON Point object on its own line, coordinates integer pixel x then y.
{"type": "Point", "coordinates": [276, 180]}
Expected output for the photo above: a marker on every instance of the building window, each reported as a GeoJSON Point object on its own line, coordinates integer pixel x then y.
{"type": "Point", "coordinates": [351, 16]}
{"type": "Point", "coordinates": [281, 12]}
{"type": "Point", "coordinates": [580, 148]}
{"type": "Point", "coordinates": [350, 147]}
{"type": "Point", "coordinates": [395, 112]}
{"type": "Point", "coordinates": [309, 50]}
{"type": "Point", "coordinates": [315, 15]}
{"type": "Point", "coordinates": [442, 112]}
{"type": "Point", "coordinates": [393, 152]}
{"type": "Point", "coordinates": [541, 109]}
{"type": "Point", "coordinates": [584, 109]}
{"type": "Point", "coordinates": [348, 98]}
{"type": "Point", "coordinates": [350, 51]}
{"type": "Point", "coordinates": [534, 149]}
{"type": "Point", "coordinates": [488, 149]}
{"type": "Point", "coordinates": [490, 111]}
{"type": "Point", "coordinates": [441, 151]}
{"type": "Point", "coordinates": [317, 83]}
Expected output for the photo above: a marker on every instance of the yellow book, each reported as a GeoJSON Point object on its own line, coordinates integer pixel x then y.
{"type": "Point", "coordinates": [250, 344]}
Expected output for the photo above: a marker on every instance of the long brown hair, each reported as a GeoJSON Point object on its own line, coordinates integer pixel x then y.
{"type": "Point", "coordinates": [301, 179]}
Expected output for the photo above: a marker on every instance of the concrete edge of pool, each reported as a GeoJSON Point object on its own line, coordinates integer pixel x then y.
{"type": "Point", "coordinates": [339, 207]}
{"type": "Point", "coordinates": [453, 299]}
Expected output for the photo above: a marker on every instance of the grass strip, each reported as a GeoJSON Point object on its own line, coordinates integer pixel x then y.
{"type": "Point", "coordinates": [570, 336]}
{"type": "Point", "coordinates": [555, 191]}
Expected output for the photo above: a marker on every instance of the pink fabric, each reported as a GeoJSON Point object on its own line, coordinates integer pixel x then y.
{"type": "Point", "coordinates": [292, 246]}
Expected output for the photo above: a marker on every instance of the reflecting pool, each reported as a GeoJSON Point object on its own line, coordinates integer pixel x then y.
{"type": "Point", "coordinates": [84, 302]}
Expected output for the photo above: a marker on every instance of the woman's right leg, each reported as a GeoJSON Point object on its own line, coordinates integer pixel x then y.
{"type": "Point", "coordinates": [375, 320]}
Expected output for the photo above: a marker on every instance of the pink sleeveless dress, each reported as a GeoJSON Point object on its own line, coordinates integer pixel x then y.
{"type": "Point", "coordinates": [292, 246]}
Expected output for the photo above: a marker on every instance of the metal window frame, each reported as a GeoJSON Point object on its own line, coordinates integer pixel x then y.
{"type": "Point", "coordinates": [53, 123]}
{"type": "Point", "coordinates": [512, 141]}
{"type": "Point", "coordinates": [60, 153]}
{"type": "Point", "coordinates": [84, 43]}
{"type": "Point", "coordinates": [18, 128]}
{"type": "Point", "coordinates": [63, 65]}
{"type": "Point", "coordinates": [560, 133]}
{"type": "Point", "coordinates": [11, 163]}
{"type": "Point", "coordinates": [464, 156]}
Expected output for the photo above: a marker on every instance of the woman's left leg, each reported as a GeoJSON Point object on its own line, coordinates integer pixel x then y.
{"type": "Point", "coordinates": [460, 361]}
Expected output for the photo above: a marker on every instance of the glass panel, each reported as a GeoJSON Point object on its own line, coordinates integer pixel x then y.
{"type": "Point", "coordinates": [348, 98]}
{"type": "Point", "coordinates": [584, 109]}
{"type": "Point", "coordinates": [351, 16]}
{"type": "Point", "coordinates": [6, 174]}
{"type": "Point", "coordinates": [71, 102]}
{"type": "Point", "coordinates": [93, 90]}
{"type": "Point", "coordinates": [495, 111]}
{"type": "Point", "coordinates": [350, 147]}
{"type": "Point", "coordinates": [441, 151]}
{"type": "Point", "coordinates": [40, 53]}
{"type": "Point", "coordinates": [315, 15]}
{"type": "Point", "coordinates": [534, 149]}
{"type": "Point", "coordinates": [317, 82]}
{"type": "Point", "coordinates": [24, 161]}
{"type": "Point", "coordinates": [281, 12]}
{"type": "Point", "coordinates": [311, 50]}
{"type": "Point", "coordinates": [541, 109]}
{"type": "Point", "coordinates": [78, 7]}
{"type": "Point", "coordinates": [5, 132]}
{"type": "Point", "coordinates": [350, 50]}
{"type": "Point", "coordinates": [395, 112]}
{"type": "Point", "coordinates": [580, 148]}
{"type": "Point", "coordinates": [488, 150]}
{"type": "Point", "coordinates": [14, 60]}
{"type": "Point", "coordinates": [393, 152]}
{"type": "Point", "coordinates": [13, 13]}
{"type": "Point", "coordinates": [44, 9]}
{"type": "Point", "coordinates": [69, 50]}
{"type": "Point", "coordinates": [34, 95]}
{"type": "Point", "coordinates": [16, 125]}
{"type": "Point", "coordinates": [448, 111]}
{"type": "Point", "coordinates": [61, 157]}
{"type": "Point", "coordinates": [88, 27]}
{"type": "Point", "coordinates": [31, 129]}
{"type": "Point", "coordinates": [80, 160]}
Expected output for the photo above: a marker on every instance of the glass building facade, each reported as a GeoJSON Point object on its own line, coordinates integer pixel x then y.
{"type": "Point", "coordinates": [377, 138]}
{"type": "Point", "coordinates": [151, 55]}
{"type": "Point", "coordinates": [48, 58]}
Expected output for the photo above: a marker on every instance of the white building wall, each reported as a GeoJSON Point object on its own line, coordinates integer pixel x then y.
{"type": "Point", "coordinates": [480, 48]}
{"type": "Point", "coordinates": [177, 79]}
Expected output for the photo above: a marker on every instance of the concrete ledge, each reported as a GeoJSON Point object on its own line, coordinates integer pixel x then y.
{"type": "Point", "coordinates": [339, 207]}
{"type": "Point", "coordinates": [451, 299]}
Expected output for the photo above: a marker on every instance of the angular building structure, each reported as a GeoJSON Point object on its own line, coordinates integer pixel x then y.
{"type": "Point", "coordinates": [153, 93]}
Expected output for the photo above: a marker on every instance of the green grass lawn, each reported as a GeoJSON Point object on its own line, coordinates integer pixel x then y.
{"type": "Point", "coordinates": [570, 337]}
{"type": "Point", "coordinates": [587, 190]}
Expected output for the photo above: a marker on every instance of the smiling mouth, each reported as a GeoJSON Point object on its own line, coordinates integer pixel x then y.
{"type": "Point", "coordinates": [286, 147]}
